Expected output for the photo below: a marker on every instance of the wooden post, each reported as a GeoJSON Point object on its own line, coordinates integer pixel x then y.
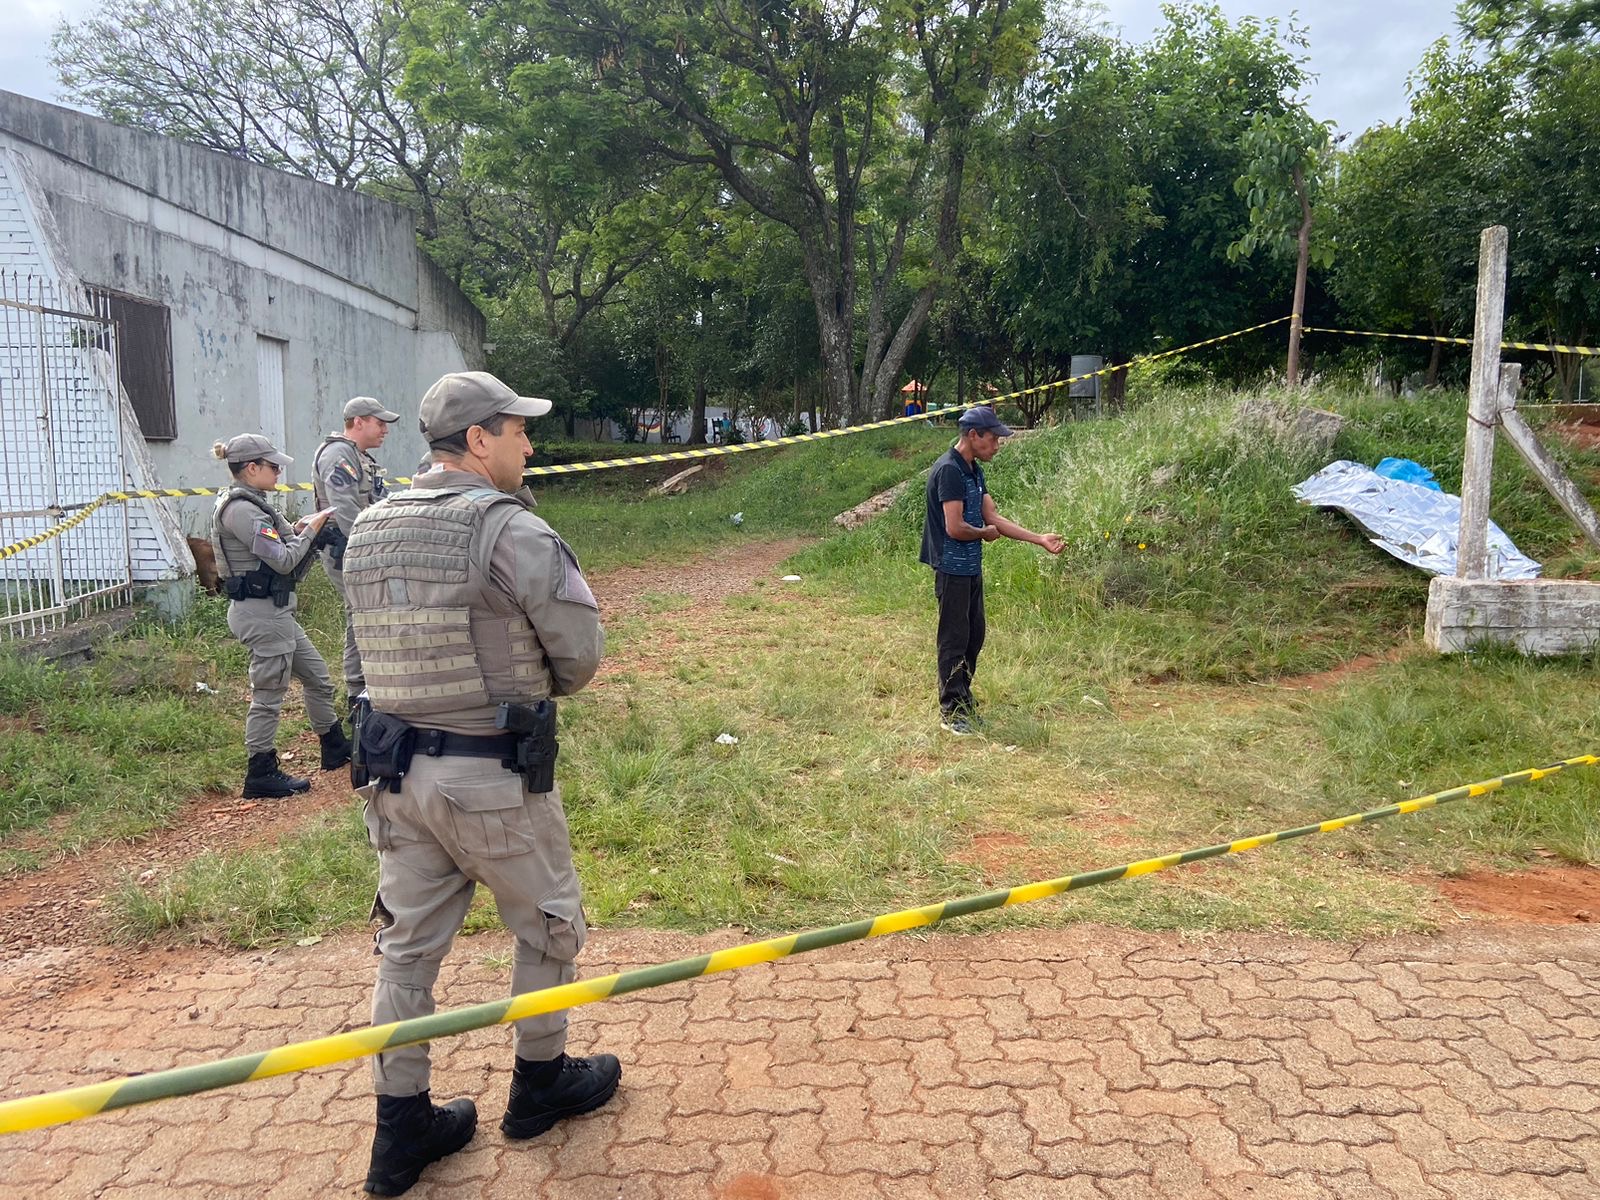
{"type": "Point", "coordinates": [1472, 545]}
{"type": "Point", "coordinates": [1550, 472]}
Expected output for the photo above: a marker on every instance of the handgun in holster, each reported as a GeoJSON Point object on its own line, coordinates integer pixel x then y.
{"type": "Point", "coordinates": [332, 539]}
{"type": "Point", "coordinates": [537, 747]}
{"type": "Point", "coordinates": [360, 709]}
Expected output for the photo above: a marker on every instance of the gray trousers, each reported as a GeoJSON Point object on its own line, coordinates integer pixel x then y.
{"type": "Point", "coordinates": [279, 651]}
{"type": "Point", "coordinates": [354, 679]}
{"type": "Point", "coordinates": [456, 823]}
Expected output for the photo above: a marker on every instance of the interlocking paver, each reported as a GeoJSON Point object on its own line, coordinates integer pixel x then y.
{"type": "Point", "coordinates": [1085, 1064]}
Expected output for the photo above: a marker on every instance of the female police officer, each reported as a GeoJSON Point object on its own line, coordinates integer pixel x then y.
{"type": "Point", "coordinates": [260, 557]}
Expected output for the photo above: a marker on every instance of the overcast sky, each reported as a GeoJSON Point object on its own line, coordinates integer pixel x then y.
{"type": "Point", "coordinates": [1361, 50]}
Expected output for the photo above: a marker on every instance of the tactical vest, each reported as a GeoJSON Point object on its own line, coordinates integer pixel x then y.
{"type": "Point", "coordinates": [241, 561]}
{"type": "Point", "coordinates": [370, 487]}
{"type": "Point", "coordinates": [438, 642]}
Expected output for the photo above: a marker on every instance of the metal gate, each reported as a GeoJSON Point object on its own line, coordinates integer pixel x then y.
{"type": "Point", "coordinates": [61, 448]}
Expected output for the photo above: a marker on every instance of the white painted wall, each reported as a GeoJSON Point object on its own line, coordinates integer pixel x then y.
{"type": "Point", "coordinates": [239, 252]}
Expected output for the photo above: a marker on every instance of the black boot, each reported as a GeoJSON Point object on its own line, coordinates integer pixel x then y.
{"type": "Point", "coordinates": [413, 1132]}
{"type": "Point", "coordinates": [336, 747]}
{"type": "Point", "coordinates": [544, 1092]}
{"type": "Point", "coordinates": [263, 780]}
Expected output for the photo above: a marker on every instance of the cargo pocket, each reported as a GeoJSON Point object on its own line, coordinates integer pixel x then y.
{"type": "Point", "coordinates": [270, 673]}
{"type": "Point", "coordinates": [565, 929]}
{"type": "Point", "coordinates": [489, 816]}
{"type": "Point", "coordinates": [381, 919]}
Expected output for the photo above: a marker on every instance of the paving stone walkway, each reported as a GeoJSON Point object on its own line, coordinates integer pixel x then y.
{"type": "Point", "coordinates": [1085, 1063]}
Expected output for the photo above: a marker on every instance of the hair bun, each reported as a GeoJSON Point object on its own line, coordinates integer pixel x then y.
{"type": "Point", "coordinates": [219, 449]}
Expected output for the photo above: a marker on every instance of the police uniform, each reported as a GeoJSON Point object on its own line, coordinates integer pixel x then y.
{"type": "Point", "coordinates": [463, 600]}
{"type": "Point", "coordinates": [348, 480]}
{"type": "Point", "coordinates": [259, 557]}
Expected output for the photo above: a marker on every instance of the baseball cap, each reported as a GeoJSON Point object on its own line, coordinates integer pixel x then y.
{"type": "Point", "coordinates": [248, 447]}
{"type": "Point", "coordinates": [982, 419]}
{"type": "Point", "coordinates": [366, 406]}
{"type": "Point", "coordinates": [466, 398]}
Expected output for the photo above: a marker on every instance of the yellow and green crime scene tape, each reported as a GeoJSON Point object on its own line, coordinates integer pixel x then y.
{"type": "Point", "coordinates": [38, 539]}
{"type": "Point", "coordinates": [1457, 341]}
{"type": "Point", "coordinates": [56, 1108]}
{"type": "Point", "coordinates": [609, 464]}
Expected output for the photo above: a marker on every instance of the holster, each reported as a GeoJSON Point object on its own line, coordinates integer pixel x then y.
{"type": "Point", "coordinates": [260, 584]}
{"type": "Point", "coordinates": [360, 712]}
{"type": "Point", "coordinates": [333, 540]}
{"type": "Point", "coordinates": [385, 745]}
{"type": "Point", "coordinates": [537, 747]}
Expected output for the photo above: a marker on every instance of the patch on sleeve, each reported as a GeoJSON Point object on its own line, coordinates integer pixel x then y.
{"type": "Point", "coordinates": [344, 475]}
{"type": "Point", "coordinates": [267, 540]}
{"type": "Point", "coordinates": [573, 585]}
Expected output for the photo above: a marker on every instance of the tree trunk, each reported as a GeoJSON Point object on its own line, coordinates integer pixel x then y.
{"type": "Point", "coordinates": [1434, 358]}
{"type": "Point", "coordinates": [1302, 264]}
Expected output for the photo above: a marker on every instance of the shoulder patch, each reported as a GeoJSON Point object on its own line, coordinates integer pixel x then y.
{"type": "Point", "coordinates": [343, 475]}
{"type": "Point", "coordinates": [573, 586]}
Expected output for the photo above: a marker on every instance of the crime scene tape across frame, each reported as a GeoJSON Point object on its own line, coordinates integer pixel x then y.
{"type": "Point", "coordinates": [1589, 351]}
{"type": "Point", "coordinates": [57, 1108]}
{"type": "Point", "coordinates": [608, 464]}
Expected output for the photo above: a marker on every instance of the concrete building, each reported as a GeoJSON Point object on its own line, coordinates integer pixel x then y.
{"type": "Point", "coordinates": [246, 299]}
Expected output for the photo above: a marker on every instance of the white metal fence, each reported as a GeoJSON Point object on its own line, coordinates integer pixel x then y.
{"type": "Point", "coordinates": [61, 447]}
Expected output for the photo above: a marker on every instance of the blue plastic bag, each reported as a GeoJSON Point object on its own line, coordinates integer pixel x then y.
{"type": "Point", "coordinates": [1407, 471]}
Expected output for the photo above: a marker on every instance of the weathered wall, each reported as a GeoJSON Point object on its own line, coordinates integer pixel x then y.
{"type": "Point", "coordinates": [236, 251]}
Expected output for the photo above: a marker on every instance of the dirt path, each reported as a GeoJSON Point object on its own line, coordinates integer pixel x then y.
{"type": "Point", "coordinates": [625, 591]}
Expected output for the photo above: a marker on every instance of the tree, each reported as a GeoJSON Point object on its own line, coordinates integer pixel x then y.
{"type": "Point", "coordinates": [849, 124]}
{"type": "Point", "coordinates": [1504, 132]}
{"type": "Point", "coordinates": [309, 86]}
{"type": "Point", "coordinates": [1286, 152]}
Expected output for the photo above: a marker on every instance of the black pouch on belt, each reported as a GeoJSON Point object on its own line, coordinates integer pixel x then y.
{"type": "Point", "coordinates": [387, 744]}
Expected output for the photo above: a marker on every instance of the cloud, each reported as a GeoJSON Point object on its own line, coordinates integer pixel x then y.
{"type": "Point", "coordinates": [1361, 50]}
{"type": "Point", "coordinates": [25, 29]}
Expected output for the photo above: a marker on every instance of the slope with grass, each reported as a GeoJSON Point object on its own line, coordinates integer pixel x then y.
{"type": "Point", "coordinates": [1144, 693]}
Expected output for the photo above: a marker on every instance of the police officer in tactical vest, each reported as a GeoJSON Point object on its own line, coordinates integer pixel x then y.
{"type": "Point", "coordinates": [347, 479]}
{"type": "Point", "coordinates": [471, 615]}
{"type": "Point", "coordinates": [260, 558]}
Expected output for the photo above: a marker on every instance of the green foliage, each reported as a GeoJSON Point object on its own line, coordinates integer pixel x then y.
{"type": "Point", "coordinates": [1499, 133]}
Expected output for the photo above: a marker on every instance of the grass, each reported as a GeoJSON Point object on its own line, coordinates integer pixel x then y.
{"type": "Point", "coordinates": [111, 750]}
{"type": "Point", "coordinates": [1143, 692]}
{"type": "Point", "coordinates": [783, 493]}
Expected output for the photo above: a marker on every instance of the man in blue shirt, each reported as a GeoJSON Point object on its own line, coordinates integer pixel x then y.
{"type": "Point", "coordinates": [961, 516]}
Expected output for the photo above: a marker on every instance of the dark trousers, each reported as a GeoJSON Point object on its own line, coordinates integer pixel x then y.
{"type": "Point", "coordinates": [961, 630]}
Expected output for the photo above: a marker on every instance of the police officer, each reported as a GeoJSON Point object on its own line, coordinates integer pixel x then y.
{"type": "Point", "coordinates": [469, 613]}
{"type": "Point", "coordinates": [260, 558]}
{"type": "Point", "coordinates": [347, 479]}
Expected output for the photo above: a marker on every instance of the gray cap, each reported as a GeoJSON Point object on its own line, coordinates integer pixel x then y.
{"type": "Point", "coordinates": [466, 398]}
{"type": "Point", "coordinates": [248, 447]}
{"type": "Point", "coordinates": [366, 406]}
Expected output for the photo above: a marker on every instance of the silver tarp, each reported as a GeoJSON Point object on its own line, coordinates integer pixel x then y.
{"type": "Point", "coordinates": [1415, 524]}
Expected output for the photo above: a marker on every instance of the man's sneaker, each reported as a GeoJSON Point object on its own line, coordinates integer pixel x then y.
{"type": "Point", "coordinates": [542, 1093]}
{"type": "Point", "coordinates": [960, 726]}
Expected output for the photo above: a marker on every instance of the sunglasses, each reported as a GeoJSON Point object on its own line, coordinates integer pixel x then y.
{"type": "Point", "coordinates": [262, 462]}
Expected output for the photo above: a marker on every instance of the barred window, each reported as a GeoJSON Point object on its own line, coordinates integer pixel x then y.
{"type": "Point", "coordinates": [144, 360]}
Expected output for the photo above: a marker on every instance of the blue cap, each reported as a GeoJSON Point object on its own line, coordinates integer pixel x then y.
{"type": "Point", "coordinates": [981, 419]}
